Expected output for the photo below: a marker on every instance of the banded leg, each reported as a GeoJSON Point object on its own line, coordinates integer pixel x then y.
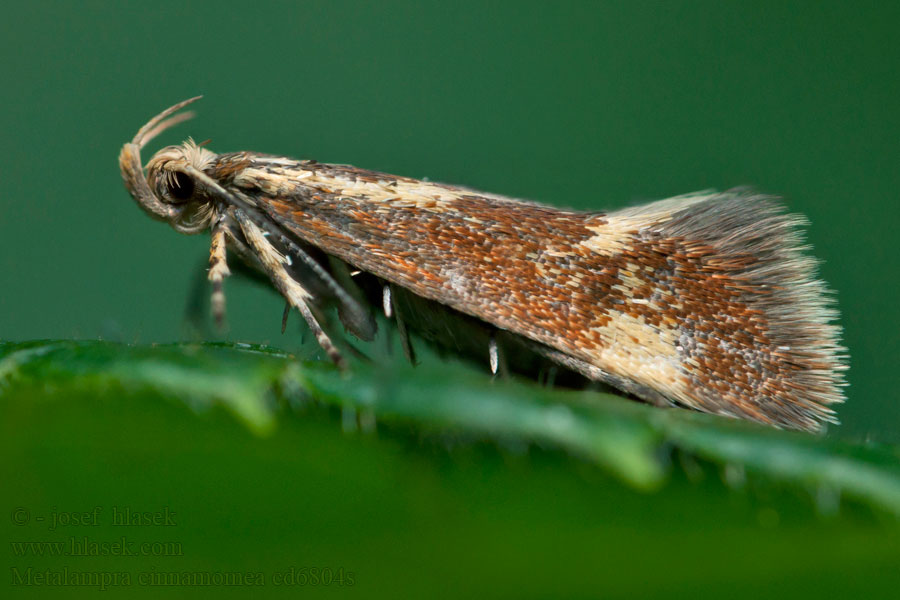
{"type": "Point", "coordinates": [218, 271]}
{"type": "Point", "coordinates": [273, 263]}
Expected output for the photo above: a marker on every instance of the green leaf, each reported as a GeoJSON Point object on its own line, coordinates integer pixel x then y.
{"type": "Point", "coordinates": [629, 439]}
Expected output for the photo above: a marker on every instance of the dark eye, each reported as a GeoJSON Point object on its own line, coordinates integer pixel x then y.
{"type": "Point", "coordinates": [181, 187]}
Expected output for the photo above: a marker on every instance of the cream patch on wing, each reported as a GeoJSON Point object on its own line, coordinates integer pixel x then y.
{"type": "Point", "coordinates": [277, 180]}
{"type": "Point", "coordinates": [613, 232]}
{"type": "Point", "coordinates": [629, 347]}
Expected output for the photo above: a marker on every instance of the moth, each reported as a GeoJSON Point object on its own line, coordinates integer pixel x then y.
{"type": "Point", "coordinates": [706, 301]}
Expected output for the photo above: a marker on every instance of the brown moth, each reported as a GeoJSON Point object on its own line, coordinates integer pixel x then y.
{"type": "Point", "coordinates": [705, 301]}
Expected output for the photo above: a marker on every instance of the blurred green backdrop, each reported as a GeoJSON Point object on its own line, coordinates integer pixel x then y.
{"type": "Point", "coordinates": [589, 105]}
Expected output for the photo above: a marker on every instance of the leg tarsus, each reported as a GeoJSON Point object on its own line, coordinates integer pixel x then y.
{"type": "Point", "coordinates": [493, 355]}
{"type": "Point", "coordinates": [405, 342]}
{"type": "Point", "coordinates": [284, 316]}
{"type": "Point", "coordinates": [324, 341]}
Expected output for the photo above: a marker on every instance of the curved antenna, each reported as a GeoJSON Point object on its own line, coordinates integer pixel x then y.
{"type": "Point", "coordinates": [133, 169]}
{"type": "Point", "coordinates": [160, 123]}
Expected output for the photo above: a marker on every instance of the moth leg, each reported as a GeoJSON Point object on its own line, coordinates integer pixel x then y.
{"type": "Point", "coordinates": [284, 316]}
{"type": "Point", "coordinates": [218, 271]}
{"type": "Point", "coordinates": [272, 262]}
{"type": "Point", "coordinates": [307, 274]}
{"type": "Point", "coordinates": [494, 354]}
{"type": "Point", "coordinates": [386, 301]}
{"type": "Point", "coordinates": [388, 313]}
{"type": "Point", "coordinates": [405, 342]}
{"type": "Point", "coordinates": [497, 357]}
{"type": "Point", "coordinates": [362, 324]}
{"type": "Point", "coordinates": [195, 309]}
{"type": "Point", "coordinates": [550, 376]}
{"type": "Point", "coordinates": [324, 341]}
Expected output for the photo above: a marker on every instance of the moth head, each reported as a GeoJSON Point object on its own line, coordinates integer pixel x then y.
{"type": "Point", "coordinates": [169, 191]}
{"type": "Point", "coordinates": [171, 179]}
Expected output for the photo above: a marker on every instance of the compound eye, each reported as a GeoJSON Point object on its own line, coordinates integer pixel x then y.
{"type": "Point", "coordinates": [180, 187]}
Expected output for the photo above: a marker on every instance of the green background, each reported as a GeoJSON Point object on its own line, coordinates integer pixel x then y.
{"type": "Point", "coordinates": [585, 105]}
